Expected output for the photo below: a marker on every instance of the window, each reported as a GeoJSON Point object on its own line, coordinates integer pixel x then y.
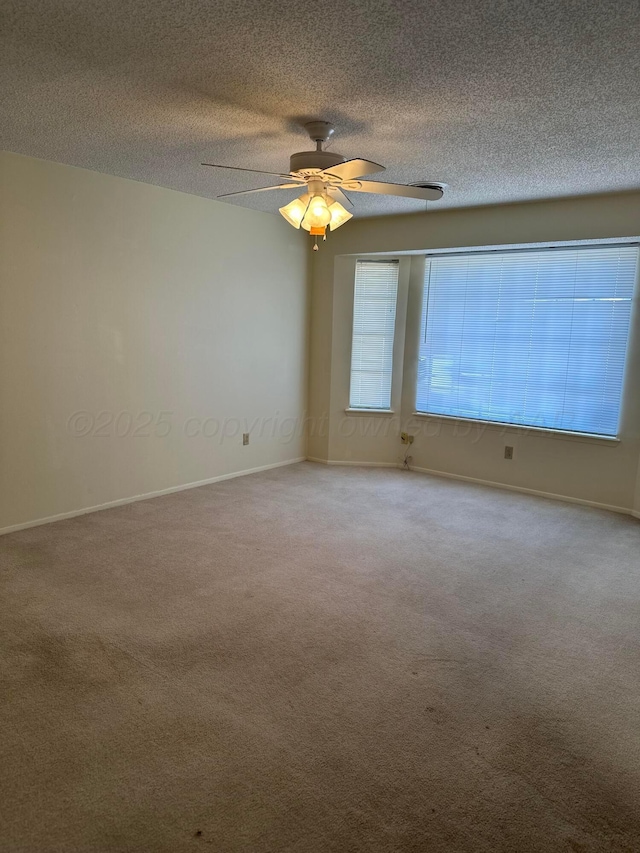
{"type": "Point", "coordinates": [374, 320]}
{"type": "Point", "coordinates": [535, 337]}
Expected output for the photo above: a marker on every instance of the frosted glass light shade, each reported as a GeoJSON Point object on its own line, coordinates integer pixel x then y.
{"type": "Point", "coordinates": [339, 215]}
{"type": "Point", "coordinates": [294, 211]}
{"type": "Point", "coordinates": [317, 214]}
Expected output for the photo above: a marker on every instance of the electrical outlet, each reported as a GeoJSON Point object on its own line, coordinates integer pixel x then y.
{"type": "Point", "coordinates": [508, 452]}
{"type": "Point", "coordinates": [405, 438]}
{"type": "Point", "coordinates": [245, 438]}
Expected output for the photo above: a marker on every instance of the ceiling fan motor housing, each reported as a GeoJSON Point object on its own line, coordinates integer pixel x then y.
{"type": "Point", "coordinates": [305, 161]}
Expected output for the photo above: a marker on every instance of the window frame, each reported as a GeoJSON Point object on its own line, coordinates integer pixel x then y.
{"type": "Point", "coordinates": [398, 334]}
{"type": "Point", "coordinates": [414, 323]}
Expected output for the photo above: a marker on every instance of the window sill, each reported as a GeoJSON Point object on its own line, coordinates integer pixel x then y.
{"type": "Point", "coordinates": [370, 411]}
{"type": "Point", "coordinates": [565, 435]}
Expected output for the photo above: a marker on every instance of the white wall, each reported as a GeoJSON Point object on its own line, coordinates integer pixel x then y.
{"type": "Point", "coordinates": [581, 468]}
{"type": "Point", "coordinates": [119, 297]}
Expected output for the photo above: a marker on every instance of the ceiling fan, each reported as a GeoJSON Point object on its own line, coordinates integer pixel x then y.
{"type": "Point", "coordinates": [325, 176]}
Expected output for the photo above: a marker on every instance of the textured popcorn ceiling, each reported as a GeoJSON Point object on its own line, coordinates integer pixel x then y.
{"type": "Point", "coordinates": [501, 100]}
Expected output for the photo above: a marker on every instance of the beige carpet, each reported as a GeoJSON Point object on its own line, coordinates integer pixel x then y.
{"type": "Point", "coordinates": [323, 659]}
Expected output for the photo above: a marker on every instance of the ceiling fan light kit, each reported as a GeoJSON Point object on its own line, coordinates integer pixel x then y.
{"type": "Point", "coordinates": [315, 211]}
{"type": "Point", "coordinates": [324, 175]}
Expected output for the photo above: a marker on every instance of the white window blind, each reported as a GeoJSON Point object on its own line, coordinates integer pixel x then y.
{"type": "Point", "coordinates": [374, 319]}
{"type": "Point", "coordinates": [534, 337]}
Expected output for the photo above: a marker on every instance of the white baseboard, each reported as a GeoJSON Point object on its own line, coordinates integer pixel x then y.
{"type": "Point", "coordinates": [492, 483]}
{"type": "Point", "coordinates": [355, 463]}
{"type": "Point", "coordinates": [361, 464]}
{"type": "Point", "coordinates": [144, 497]}
{"type": "Point", "coordinates": [550, 495]}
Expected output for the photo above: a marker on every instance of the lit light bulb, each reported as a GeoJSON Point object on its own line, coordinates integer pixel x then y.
{"type": "Point", "coordinates": [317, 215]}
{"type": "Point", "coordinates": [294, 211]}
{"type": "Point", "coordinates": [339, 215]}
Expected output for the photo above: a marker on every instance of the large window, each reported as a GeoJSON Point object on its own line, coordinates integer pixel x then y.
{"type": "Point", "coordinates": [374, 320]}
{"type": "Point", "coordinates": [535, 337]}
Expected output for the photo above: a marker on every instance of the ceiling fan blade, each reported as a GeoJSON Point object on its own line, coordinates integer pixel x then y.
{"type": "Point", "coordinates": [256, 172]}
{"type": "Point", "coordinates": [353, 169]}
{"type": "Point", "coordinates": [262, 189]}
{"type": "Point", "coordinates": [337, 194]}
{"type": "Point", "coordinates": [431, 193]}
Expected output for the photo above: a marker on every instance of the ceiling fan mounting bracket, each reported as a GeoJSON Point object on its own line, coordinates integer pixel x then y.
{"type": "Point", "coordinates": [319, 131]}
{"type": "Point", "coordinates": [306, 163]}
